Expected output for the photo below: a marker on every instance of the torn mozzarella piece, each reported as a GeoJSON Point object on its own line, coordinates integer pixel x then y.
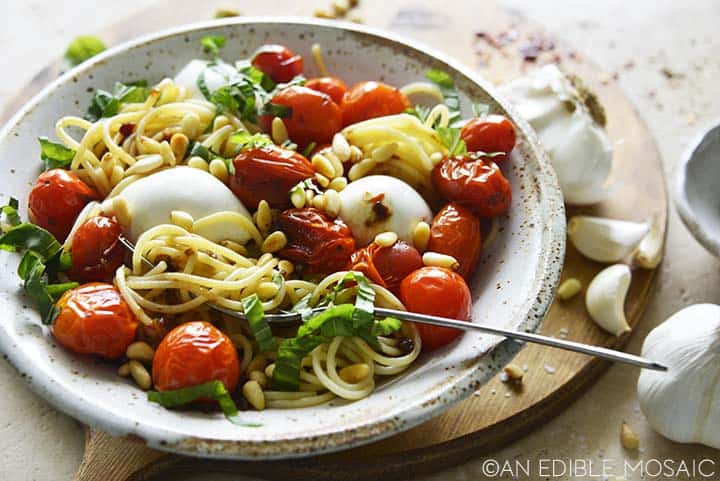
{"type": "Point", "coordinates": [215, 76]}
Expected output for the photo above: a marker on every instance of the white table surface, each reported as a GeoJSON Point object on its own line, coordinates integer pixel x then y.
{"type": "Point", "coordinates": [39, 443]}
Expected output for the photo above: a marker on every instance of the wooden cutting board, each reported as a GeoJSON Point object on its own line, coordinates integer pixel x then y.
{"type": "Point", "coordinates": [501, 45]}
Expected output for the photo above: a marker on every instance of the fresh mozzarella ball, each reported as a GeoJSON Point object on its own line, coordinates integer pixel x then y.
{"type": "Point", "coordinates": [380, 203]}
{"type": "Point", "coordinates": [216, 76]}
{"type": "Point", "coordinates": [150, 201]}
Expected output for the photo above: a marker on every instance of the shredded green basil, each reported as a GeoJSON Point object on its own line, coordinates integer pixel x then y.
{"type": "Point", "coordinates": [54, 155]}
{"type": "Point", "coordinates": [309, 148]}
{"type": "Point", "coordinates": [212, 44]}
{"type": "Point", "coordinates": [451, 98]}
{"type": "Point", "coordinates": [440, 77]}
{"type": "Point", "coordinates": [9, 216]}
{"type": "Point", "coordinates": [450, 137]}
{"type": "Point", "coordinates": [253, 309]}
{"type": "Point", "coordinates": [82, 48]}
{"type": "Point", "coordinates": [107, 104]}
{"type": "Point", "coordinates": [245, 140]}
{"type": "Point", "coordinates": [480, 109]}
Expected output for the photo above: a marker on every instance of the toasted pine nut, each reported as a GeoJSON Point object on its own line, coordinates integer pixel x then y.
{"type": "Point", "coordinates": [145, 165]}
{"type": "Point", "coordinates": [286, 268]}
{"type": "Point", "coordinates": [309, 196]}
{"type": "Point", "coordinates": [356, 154]}
{"type": "Point", "coordinates": [514, 372]}
{"type": "Point", "coordinates": [254, 394]}
{"type": "Point", "coordinates": [568, 289]}
{"type": "Point", "coordinates": [264, 259]}
{"type": "Point", "coordinates": [332, 203]}
{"type": "Point", "coordinates": [235, 247]}
{"type": "Point", "coordinates": [259, 377]}
{"type": "Point", "coordinates": [274, 242]}
{"type": "Point", "coordinates": [361, 169]}
{"type": "Point", "coordinates": [628, 438]}
{"type": "Point", "coordinates": [140, 351]}
{"type": "Point", "coordinates": [279, 131]}
{"type": "Point", "coordinates": [267, 290]}
{"type": "Point", "coordinates": [140, 374]}
{"type": "Point", "coordinates": [124, 370]}
{"type": "Point", "coordinates": [323, 166]}
{"type": "Point", "coordinates": [219, 170]}
{"type": "Point", "coordinates": [269, 370]}
{"type": "Point", "coordinates": [340, 147]}
{"type": "Point", "coordinates": [263, 216]}
{"type": "Point", "coordinates": [197, 163]}
{"type": "Point", "coordinates": [386, 239]}
{"type": "Point", "coordinates": [341, 7]}
{"type": "Point", "coordinates": [322, 180]}
{"type": "Point", "coordinates": [384, 152]}
{"type": "Point", "coordinates": [121, 210]}
{"type": "Point", "coordinates": [421, 235]}
{"type": "Point", "coordinates": [220, 122]}
{"type": "Point", "coordinates": [336, 163]}
{"type": "Point", "coordinates": [182, 219]}
{"type": "Point", "coordinates": [319, 201]}
{"type": "Point", "coordinates": [338, 184]}
{"type": "Point", "coordinates": [190, 125]}
{"type": "Point", "coordinates": [178, 145]}
{"type": "Point", "coordinates": [436, 157]}
{"type": "Point", "coordinates": [257, 363]}
{"type": "Point", "coordinates": [324, 14]}
{"type": "Point", "coordinates": [297, 197]}
{"type": "Point", "coordinates": [436, 259]}
{"type": "Point", "coordinates": [354, 373]}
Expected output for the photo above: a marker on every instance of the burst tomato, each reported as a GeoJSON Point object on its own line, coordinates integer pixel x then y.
{"type": "Point", "coordinates": [96, 250]}
{"type": "Point", "coordinates": [268, 173]}
{"type": "Point", "coordinates": [475, 183]}
{"type": "Point", "coordinates": [387, 266]}
{"type": "Point", "coordinates": [332, 86]}
{"type": "Point", "coordinates": [313, 116]}
{"type": "Point", "coordinates": [493, 133]}
{"type": "Point", "coordinates": [194, 353]}
{"type": "Point", "coordinates": [278, 62]}
{"type": "Point", "coordinates": [321, 244]}
{"type": "Point", "coordinates": [368, 100]}
{"type": "Point", "coordinates": [437, 292]}
{"type": "Point", "coordinates": [94, 319]}
{"type": "Point", "coordinates": [56, 200]}
{"type": "Point", "coordinates": [456, 232]}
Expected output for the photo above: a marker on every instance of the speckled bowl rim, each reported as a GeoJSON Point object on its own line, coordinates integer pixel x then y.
{"type": "Point", "coordinates": [538, 301]}
{"type": "Point", "coordinates": [687, 214]}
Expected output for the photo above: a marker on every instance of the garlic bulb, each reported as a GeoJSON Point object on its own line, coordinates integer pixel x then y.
{"type": "Point", "coordinates": [605, 298]}
{"type": "Point", "coordinates": [605, 240]}
{"type": "Point", "coordinates": [649, 253]}
{"type": "Point", "coordinates": [569, 122]}
{"type": "Point", "coordinates": [683, 404]}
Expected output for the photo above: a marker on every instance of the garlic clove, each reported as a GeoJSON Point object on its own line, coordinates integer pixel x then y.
{"type": "Point", "coordinates": [683, 404]}
{"type": "Point", "coordinates": [605, 240]}
{"type": "Point", "coordinates": [605, 298]}
{"type": "Point", "coordinates": [650, 251]}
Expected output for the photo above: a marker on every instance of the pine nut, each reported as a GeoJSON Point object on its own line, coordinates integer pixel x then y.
{"type": "Point", "coordinates": [323, 166]}
{"type": "Point", "coordinates": [269, 370]}
{"type": "Point", "coordinates": [264, 259]}
{"type": "Point", "coordinates": [279, 131]}
{"type": "Point", "coordinates": [354, 373]}
{"type": "Point", "coordinates": [260, 378]}
{"type": "Point", "coordinates": [436, 259]}
{"type": "Point", "coordinates": [178, 145]}
{"type": "Point", "coordinates": [254, 394]}
{"type": "Point", "coordinates": [117, 175]}
{"type": "Point", "coordinates": [190, 125]}
{"type": "Point", "coordinates": [336, 163]}
{"type": "Point", "coordinates": [341, 7]}
{"type": "Point", "coordinates": [356, 154]}
{"type": "Point", "coordinates": [332, 203]}
{"type": "Point", "coordinates": [514, 372]}
{"type": "Point", "coordinates": [421, 236]}
{"type": "Point", "coordinates": [145, 165]}
{"type": "Point", "coordinates": [384, 152]}
{"type": "Point", "coordinates": [297, 197]}
{"type": "Point", "coordinates": [124, 370]}
{"type": "Point", "coordinates": [274, 242]}
{"type": "Point", "coordinates": [568, 289]}
{"type": "Point", "coordinates": [324, 14]}
{"type": "Point", "coordinates": [140, 351]}
{"type": "Point", "coordinates": [319, 202]}
{"type": "Point", "coordinates": [286, 268]}
{"type": "Point", "coordinates": [436, 157]}
{"type": "Point", "coordinates": [264, 216]}
{"type": "Point", "coordinates": [140, 375]}
{"type": "Point", "coordinates": [628, 438]}
{"type": "Point", "coordinates": [121, 210]}
{"type": "Point", "coordinates": [309, 196]}
{"type": "Point", "coordinates": [219, 170]}
{"type": "Point", "coordinates": [338, 184]}
{"type": "Point", "coordinates": [220, 122]}
{"type": "Point", "coordinates": [107, 163]}
{"type": "Point", "coordinates": [361, 169]}
{"type": "Point", "coordinates": [267, 290]}
{"type": "Point", "coordinates": [322, 180]}
{"type": "Point", "coordinates": [386, 239]}
{"type": "Point", "coordinates": [182, 219]}
{"type": "Point", "coordinates": [235, 247]}
{"type": "Point", "coordinates": [340, 147]}
{"type": "Point", "coordinates": [198, 163]}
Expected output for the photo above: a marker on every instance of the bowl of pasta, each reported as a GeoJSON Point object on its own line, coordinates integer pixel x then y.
{"type": "Point", "coordinates": [194, 186]}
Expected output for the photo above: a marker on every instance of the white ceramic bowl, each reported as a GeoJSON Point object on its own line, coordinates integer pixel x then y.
{"type": "Point", "coordinates": [513, 288]}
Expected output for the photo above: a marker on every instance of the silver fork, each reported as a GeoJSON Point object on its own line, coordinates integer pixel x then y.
{"type": "Point", "coordinates": [601, 352]}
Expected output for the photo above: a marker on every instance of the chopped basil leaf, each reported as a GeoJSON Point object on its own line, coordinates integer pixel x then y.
{"type": "Point", "coordinates": [309, 148]}
{"type": "Point", "coordinates": [258, 77]}
{"type": "Point", "coordinates": [245, 140]}
{"type": "Point", "coordinates": [55, 156]}
{"type": "Point", "coordinates": [450, 137]}
{"type": "Point", "coordinates": [303, 307]}
{"type": "Point", "coordinates": [420, 111]}
{"type": "Point", "coordinates": [480, 109]}
{"type": "Point", "coordinates": [451, 98]}
{"type": "Point", "coordinates": [202, 86]}
{"type": "Point", "coordinates": [212, 44]}
{"type": "Point", "coordinates": [82, 48]}
{"type": "Point", "coordinates": [276, 110]}
{"type": "Point", "coordinates": [253, 309]}
{"type": "Point", "coordinates": [386, 326]}
{"type": "Point", "coordinates": [440, 77]}
{"type": "Point", "coordinates": [107, 104]}
{"type": "Point", "coordinates": [9, 216]}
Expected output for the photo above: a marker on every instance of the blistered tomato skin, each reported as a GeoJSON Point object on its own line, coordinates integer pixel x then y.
{"type": "Point", "coordinates": [332, 86]}
{"type": "Point", "coordinates": [94, 319]}
{"type": "Point", "coordinates": [96, 250]}
{"type": "Point", "coordinates": [455, 231]}
{"type": "Point", "coordinates": [268, 173]}
{"type": "Point", "coordinates": [320, 244]}
{"type": "Point", "coordinates": [278, 62]}
{"type": "Point", "coordinates": [493, 133]}
{"type": "Point", "coordinates": [368, 100]}
{"type": "Point", "coordinates": [386, 266]}
{"type": "Point", "coordinates": [313, 115]}
{"type": "Point", "coordinates": [194, 353]}
{"type": "Point", "coordinates": [476, 183]}
{"type": "Point", "coordinates": [436, 291]}
{"type": "Point", "coordinates": [56, 200]}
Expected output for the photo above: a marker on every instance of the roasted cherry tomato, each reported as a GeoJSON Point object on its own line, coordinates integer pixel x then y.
{"type": "Point", "coordinates": [493, 133]}
{"type": "Point", "coordinates": [56, 200]}
{"type": "Point", "coordinates": [456, 232]}
{"type": "Point", "coordinates": [96, 250]}
{"type": "Point", "coordinates": [332, 86]}
{"type": "Point", "coordinates": [438, 292]}
{"type": "Point", "coordinates": [368, 100]}
{"type": "Point", "coordinates": [313, 116]}
{"type": "Point", "coordinates": [278, 62]}
{"type": "Point", "coordinates": [268, 173]}
{"type": "Point", "coordinates": [475, 183]}
{"type": "Point", "coordinates": [94, 319]}
{"type": "Point", "coordinates": [386, 266]}
{"type": "Point", "coordinates": [314, 240]}
{"type": "Point", "coordinates": [194, 353]}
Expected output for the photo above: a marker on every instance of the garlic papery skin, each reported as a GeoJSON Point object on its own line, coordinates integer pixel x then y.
{"type": "Point", "coordinates": [650, 250]}
{"type": "Point", "coordinates": [569, 122]}
{"type": "Point", "coordinates": [683, 404]}
{"type": "Point", "coordinates": [605, 298]}
{"type": "Point", "coordinates": [605, 240]}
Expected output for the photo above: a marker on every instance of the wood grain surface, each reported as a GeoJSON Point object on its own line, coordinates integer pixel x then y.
{"type": "Point", "coordinates": [501, 45]}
